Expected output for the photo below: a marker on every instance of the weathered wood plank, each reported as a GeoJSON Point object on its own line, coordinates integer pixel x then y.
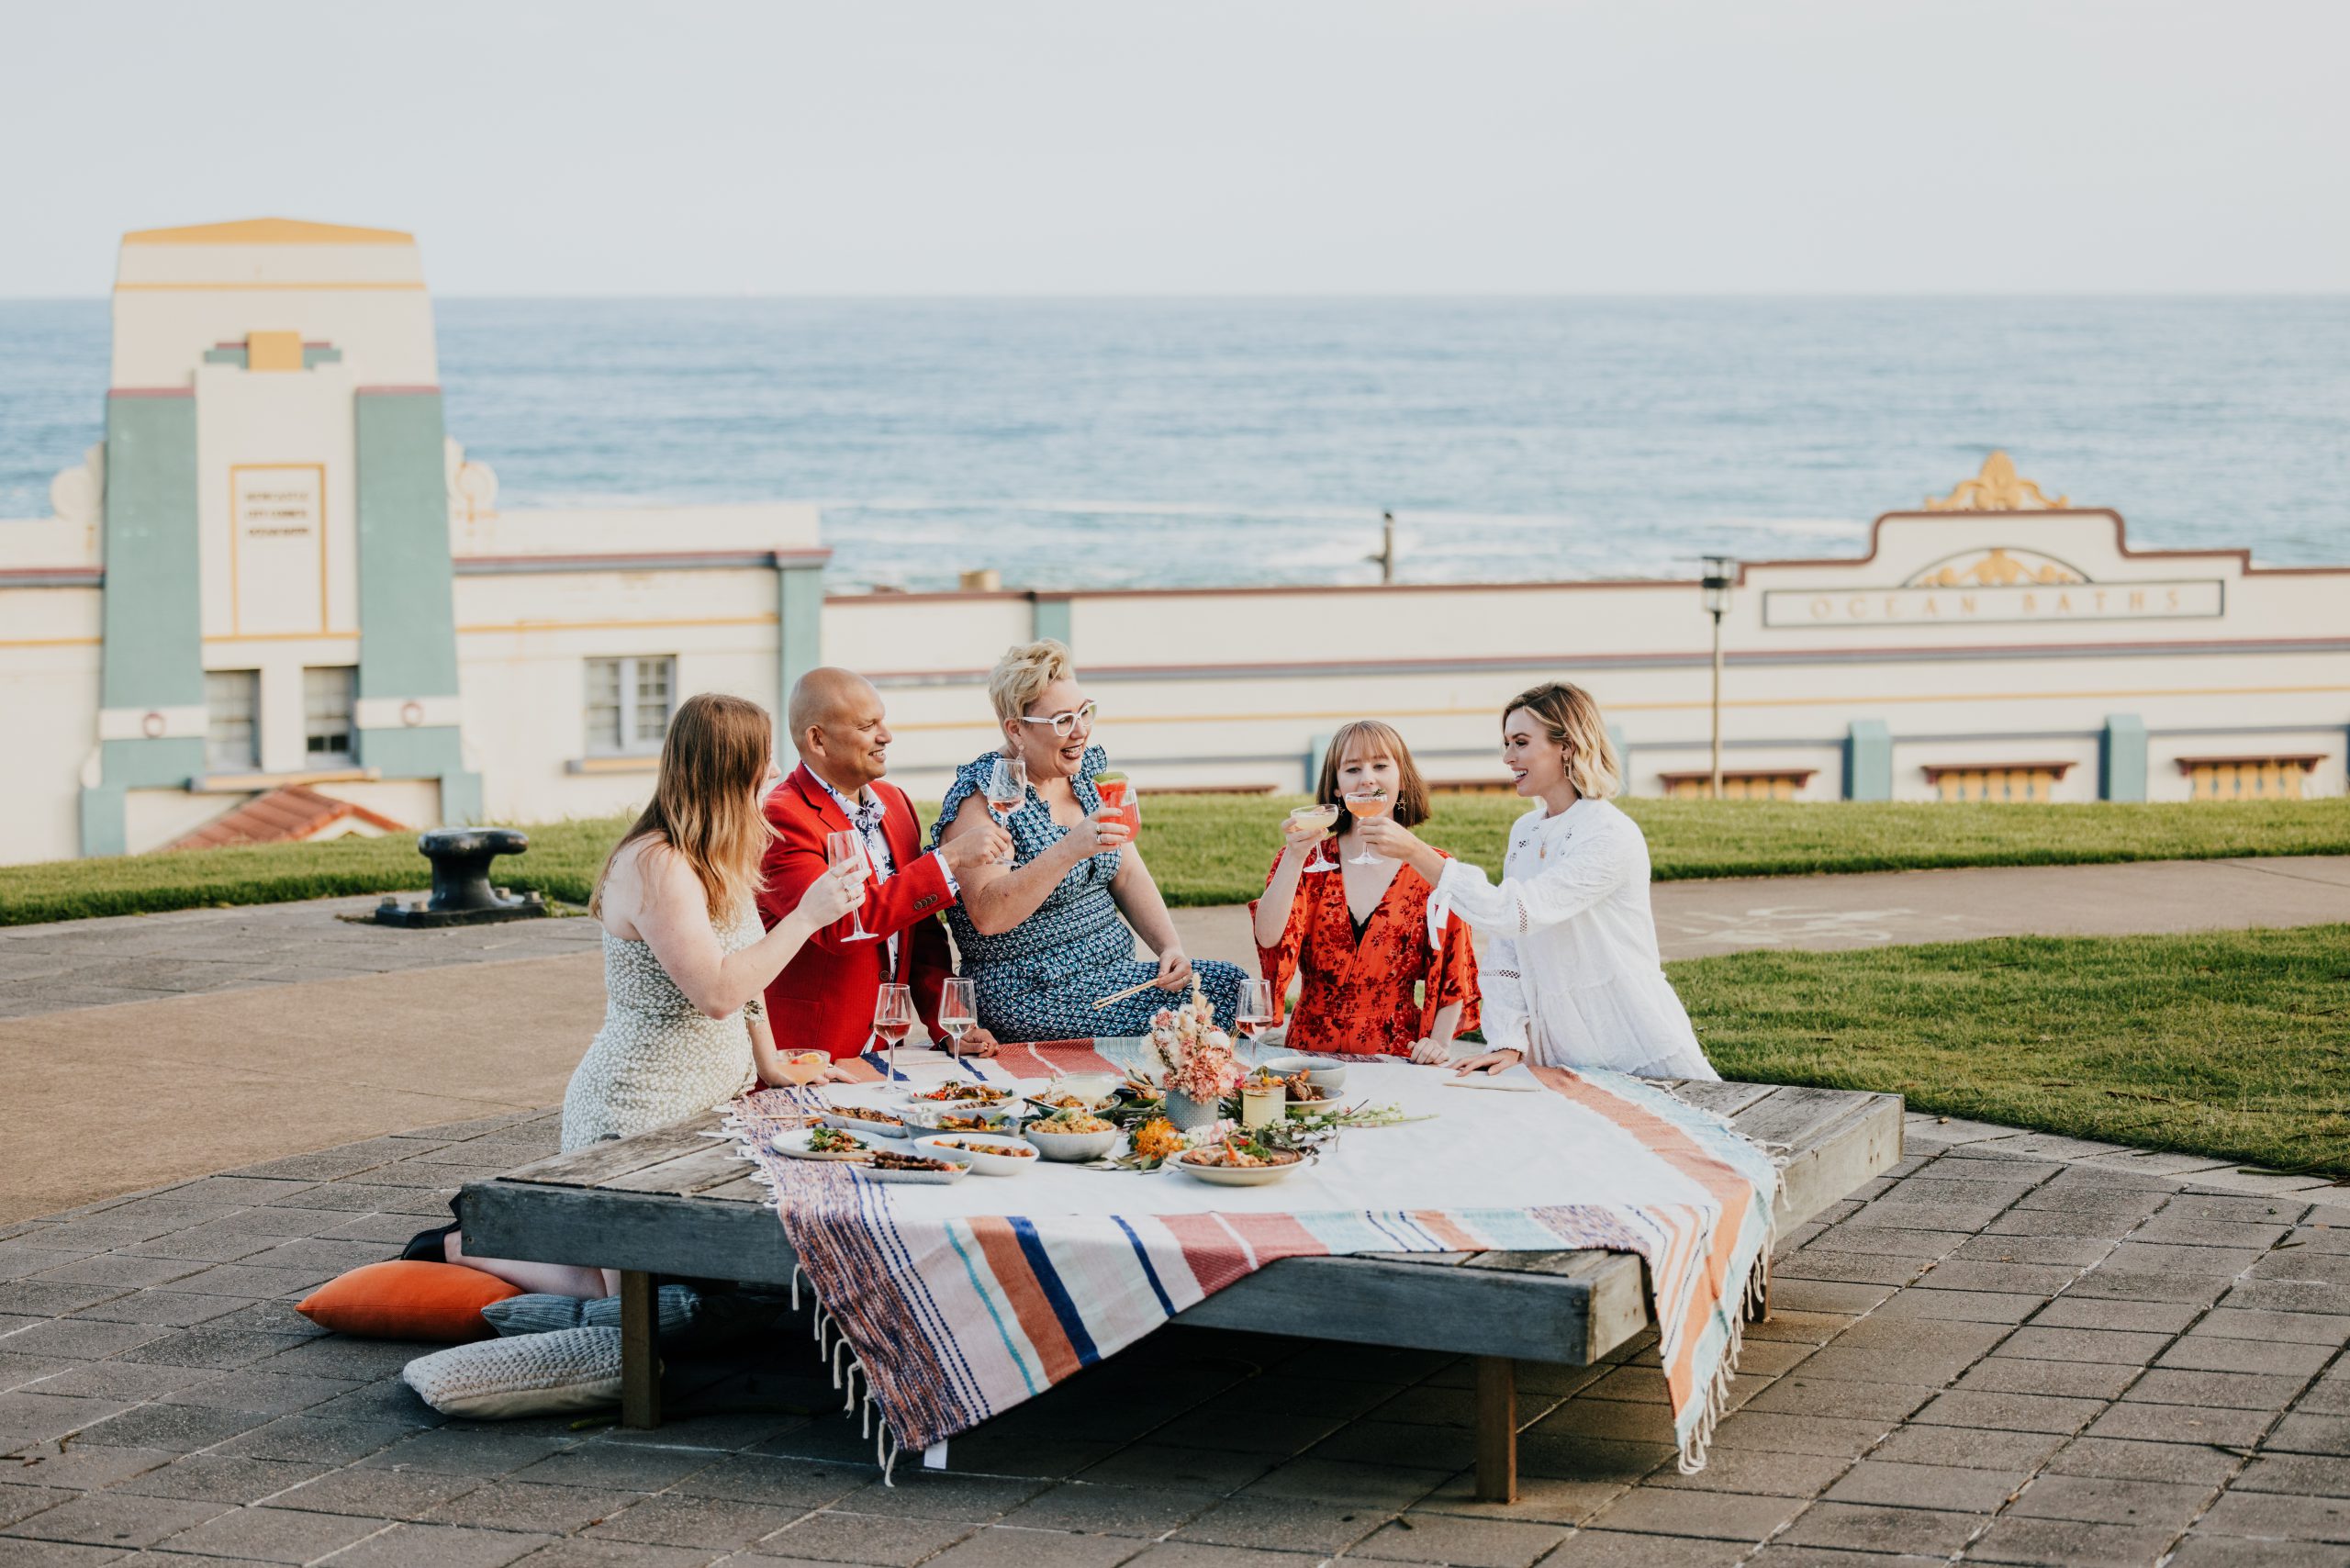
{"type": "Point", "coordinates": [1496, 1429]}
{"type": "Point", "coordinates": [610, 1230]}
{"type": "Point", "coordinates": [599, 1161]}
{"type": "Point", "coordinates": [713, 1165]}
{"type": "Point", "coordinates": [1863, 1142]}
{"type": "Point", "coordinates": [1722, 1099]}
{"type": "Point", "coordinates": [1794, 1115]}
{"type": "Point", "coordinates": [1473, 1312]}
{"type": "Point", "coordinates": [741, 1190]}
{"type": "Point", "coordinates": [640, 1366]}
{"type": "Point", "coordinates": [1616, 1298]}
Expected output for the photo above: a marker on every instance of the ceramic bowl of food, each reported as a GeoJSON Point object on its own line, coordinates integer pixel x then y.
{"type": "Point", "coordinates": [1072, 1136]}
{"type": "Point", "coordinates": [1321, 1074]}
{"type": "Point", "coordinates": [959, 1093]}
{"type": "Point", "coordinates": [1214, 1164]}
{"type": "Point", "coordinates": [1061, 1097]}
{"type": "Point", "coordinates": [913, 1170]}
{"type": "Point", "coordinates": [1093, 1086]}
{"type": "Point", "coordinates": [963, 1117]}
{"type": "Point", "coordinates": [990, 1154]}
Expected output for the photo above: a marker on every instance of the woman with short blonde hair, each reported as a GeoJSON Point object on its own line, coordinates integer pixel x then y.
{"type": "Point", "coordinates": [1570, 977]}
{"type": "Point", "coordinates": [1044, 936]}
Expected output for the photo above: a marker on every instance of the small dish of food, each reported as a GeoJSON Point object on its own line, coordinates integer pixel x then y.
{"type": "Point", "coordinates": [1322, 1074]}
{"type": "Point", "coordinates": [990, 1154]}
{"type": "Point", "coordinates": [965, 1117]}
{"type": "Point", "coordinates": [864, 1119]}
{"type": "Point", "coordinates": [1059, 1098]}
{"type": "Point", "coordinates": [822, 1143]}
{"type": "Point", "coordinates": [915, 1169]}
{"type": "Point", "coordinates": [1230, 1164]}
{"type": "Point", "coordinates": [1072, 1135]}
{"type": "Point", "coordinates": [964, 1094]}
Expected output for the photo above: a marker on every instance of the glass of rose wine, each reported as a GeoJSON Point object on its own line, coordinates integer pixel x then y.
{"type": "Point", "coordinates": [846, 848]}
{"type": "Point", "coordinates": [1369, 803]}
{"type": "Point", "coordinates": [958, 1011]}
{"type": "Point", "coordinates": [1254, 1015]}
{"type": "Point", "coordinates": [1007, 791]}
{"type": "Point", "coordinates": [894, 1018]}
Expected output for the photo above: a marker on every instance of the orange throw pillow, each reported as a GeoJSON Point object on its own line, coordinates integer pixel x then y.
{"type": "Point", "coordinates": [407, 1300]}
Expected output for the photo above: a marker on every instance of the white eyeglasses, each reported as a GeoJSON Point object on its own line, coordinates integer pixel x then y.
{"type": "Point", "coordinates": [1065, 724]}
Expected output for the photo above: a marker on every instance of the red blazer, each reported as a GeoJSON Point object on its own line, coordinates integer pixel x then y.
{"type": "Point", "coordinates": [823, 999]}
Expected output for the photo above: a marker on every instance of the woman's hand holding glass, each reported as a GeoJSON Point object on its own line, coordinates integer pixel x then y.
{"type": "Point", "coordinates": [833, 894]}
{"type": "Point", "coordinates": [1103, 830]}
{"type": "Point", "coordinates": [1384, 837]}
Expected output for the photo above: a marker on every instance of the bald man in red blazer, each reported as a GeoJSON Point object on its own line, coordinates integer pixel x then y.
{"type": "Point", "coordinates": [823, 999]}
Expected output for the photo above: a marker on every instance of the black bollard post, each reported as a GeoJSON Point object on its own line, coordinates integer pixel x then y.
{"type": "Point", "coordinates": [462, 894]}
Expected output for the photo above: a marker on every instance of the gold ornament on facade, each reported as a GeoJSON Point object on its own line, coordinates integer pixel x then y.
{"type": "Point", "coordinates": [1997, 568]}
{"type": "Point", "coordinates": [1998, 487]}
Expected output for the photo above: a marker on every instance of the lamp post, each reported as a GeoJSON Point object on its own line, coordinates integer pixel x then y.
{"type": "Point", "coordinates": [1720, 572]}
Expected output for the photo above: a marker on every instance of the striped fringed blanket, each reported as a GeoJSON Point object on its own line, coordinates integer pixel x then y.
{"type": "Point", "coordinates": [959, 1303]}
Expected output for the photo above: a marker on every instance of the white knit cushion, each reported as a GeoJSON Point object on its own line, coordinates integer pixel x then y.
{"type": "Point", "coordinates": [527, 1375]}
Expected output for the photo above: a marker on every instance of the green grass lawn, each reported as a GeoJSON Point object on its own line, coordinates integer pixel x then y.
{"type": "Point", "coordinates": [2232, 1043]}
{"type": "Point", "coordinates": [1216, 848]}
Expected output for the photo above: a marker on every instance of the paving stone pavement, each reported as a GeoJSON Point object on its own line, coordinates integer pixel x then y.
{"type": "Point", "coordinates": [2012, 1348]}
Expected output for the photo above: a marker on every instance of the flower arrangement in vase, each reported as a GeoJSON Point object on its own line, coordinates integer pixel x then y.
{"type": "Point", "coordinates": [1200, 1066]}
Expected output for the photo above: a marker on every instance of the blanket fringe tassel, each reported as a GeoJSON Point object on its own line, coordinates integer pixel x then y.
{"type": "Point", "coordinates": [1753, 1302]}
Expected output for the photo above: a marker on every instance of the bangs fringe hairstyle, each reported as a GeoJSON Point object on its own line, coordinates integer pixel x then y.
{"type": "Point", "coordinates": [706, 803]}
{"type": "Point", "coordinates": [1375, 738]}
{"type": "Point", "coordinates": [1571, 718]}
{"type": "Point", "coordinates": [1022, 673]}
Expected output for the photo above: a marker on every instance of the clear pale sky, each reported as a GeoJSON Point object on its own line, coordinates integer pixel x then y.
{"type": "Point", "coordinates": [1204, 146]}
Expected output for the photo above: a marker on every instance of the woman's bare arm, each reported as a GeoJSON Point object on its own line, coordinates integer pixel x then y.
{"type": "Point", "coordinates": [997, 897]}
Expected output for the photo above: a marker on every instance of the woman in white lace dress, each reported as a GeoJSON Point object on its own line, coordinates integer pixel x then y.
{"type": "Point", "coordinates": [685, 960]}
{"type": "Point", "coordinates": [1570, 977]}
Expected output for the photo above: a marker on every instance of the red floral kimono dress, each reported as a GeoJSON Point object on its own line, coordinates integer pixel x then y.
{"type": "Point", "coordinates": [1359, 994]}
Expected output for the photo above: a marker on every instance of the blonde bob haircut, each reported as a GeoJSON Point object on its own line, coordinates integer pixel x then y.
{"type": "Point", "coordinates": [1569, 716]}
{"type": "Point", "coordinates": [706, 804]}
{"type": "Point", "coordinates": [1372, 738]}
{"type": "Point", "coordinates": [1022, 673]}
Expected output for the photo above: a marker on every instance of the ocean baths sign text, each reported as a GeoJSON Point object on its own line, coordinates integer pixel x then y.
{"type": "Point", "coordinates": [1939, 606]}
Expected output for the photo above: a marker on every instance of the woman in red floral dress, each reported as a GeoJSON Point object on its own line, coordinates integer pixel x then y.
{"type": "Point", "coordinates": [1358, 934]}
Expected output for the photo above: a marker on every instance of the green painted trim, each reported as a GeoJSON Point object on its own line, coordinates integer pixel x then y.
{"type": "Point", "coordinates": [1623, 757]}
{"type": "Point", "coordinates": [799, 635]}
{"type": "Point", "coordinates": [312, 356]}
{"type": "Point", "coordinates": [153, 654]}
{"type": "Point", "coordinates": [104, 829]}
{"type": "Point", "coordinates": [460, 799]}
{"type": "Point", "coordinates": [1868, 761]}
{"type": "Point", "coordinates": [426, 751]}
{"type": "Point", "coordinates": [235, 357]}
{"type": "Point", "coordinates": [2121, 758]}
{"type": "Point", "coordinates": [407, 621]}
{"type": "Point", "coordinates": [167, 762]}
{"type": "Point", "coordinates": [1049, 616]}
{"type": "Point", "coordinates": [1316, 748]}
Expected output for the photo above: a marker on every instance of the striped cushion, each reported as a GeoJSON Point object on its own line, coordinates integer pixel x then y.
{"type": "Point", "coordinates": [677, 1308]}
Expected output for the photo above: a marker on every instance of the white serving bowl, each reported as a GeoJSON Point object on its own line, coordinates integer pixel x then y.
{"type": "Point", "coordinates": [1237, 1175]}
{"type": "Point", "coordinates": [1071, 1146]}
{"type": "Point", "coordinates": [976, 1151]}
{"type": "Point", "coordinates": [1321, 1074]}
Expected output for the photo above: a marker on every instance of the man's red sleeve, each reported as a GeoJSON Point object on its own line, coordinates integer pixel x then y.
{"type": "Point", "coordinates": [794, 859]}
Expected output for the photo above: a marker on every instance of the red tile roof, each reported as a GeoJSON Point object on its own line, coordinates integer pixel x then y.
{"type": "Point", "coordinates": [285, 815]}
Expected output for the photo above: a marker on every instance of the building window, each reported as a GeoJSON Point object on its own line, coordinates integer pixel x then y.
{"type": "Point", "coordinates": [232, 735]}
{"type": "Point", "coordinates": [628, 704]}
{"type": "Point", "coordinates": [326, 715]}
{"type": "Point", "coordinates": [2247, 777]}
{"type": "Point", "coordinates": [1748, 784]}
{"type": "Point", "coordinates": [1997, 780]}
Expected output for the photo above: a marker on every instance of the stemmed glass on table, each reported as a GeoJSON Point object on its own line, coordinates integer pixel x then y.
{"type": "Point", "coordinates": [1007, 791]}
{"type": "Point", "coordinates": [1254, 1012]}
{"type": "Point", "coordinates": [846, 848]}
{"type": "Point", "coordinates": [1369, 803]}
{"type": "Point", "coordinates": [958, 1011]}
{"type": "Point", "coordinates": [894, 1018]}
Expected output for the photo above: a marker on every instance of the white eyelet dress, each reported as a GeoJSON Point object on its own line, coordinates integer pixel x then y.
{"type": "Point", "coordinates": [1571, 976]}
{"type": "Point", "coordinates": [657, 1059]}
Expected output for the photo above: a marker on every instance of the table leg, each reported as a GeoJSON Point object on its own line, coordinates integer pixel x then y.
{"type": "Point", "coordinates": [1496, 1429]}
{"type": "Point", "coordinates": [640, 1365]}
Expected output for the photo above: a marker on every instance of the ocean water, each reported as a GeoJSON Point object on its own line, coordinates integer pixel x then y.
{"type": "Point", "coordinates": [1091, 443]}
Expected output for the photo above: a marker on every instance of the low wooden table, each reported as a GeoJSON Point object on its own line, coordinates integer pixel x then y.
{"type": "Point", "coordinates": [676, 1201]}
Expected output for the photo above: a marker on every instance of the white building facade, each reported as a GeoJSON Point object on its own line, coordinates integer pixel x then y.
{"type": "Point", "coordinates": [277, 572]}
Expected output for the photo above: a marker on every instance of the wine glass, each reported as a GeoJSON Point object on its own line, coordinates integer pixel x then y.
{"type": "Point", "coordinates": [958, 1011]}
{"type": "Point", "coordinates": [1254, 1012]}
{"type": "Point", "coordinates": [894, 1018]}
{"type": "Point", "coordinates": [1007, 791]}
{"type": "Point", "coordinates": [1325, 856]}
{"type": "Point", "coordinates": [846, 848]}
{"type": "Point", "coordinates": [1369, 803]}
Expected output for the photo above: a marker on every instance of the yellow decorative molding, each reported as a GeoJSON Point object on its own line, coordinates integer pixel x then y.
{"type": "Point", "coordinates": [268, 231]}
{"type": "Point", "coordinates": [1997, 567]}
{"type": "Point", "coordinates": [273, 350]}
{"type": "Point", "coordinates": [1998, 487]}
